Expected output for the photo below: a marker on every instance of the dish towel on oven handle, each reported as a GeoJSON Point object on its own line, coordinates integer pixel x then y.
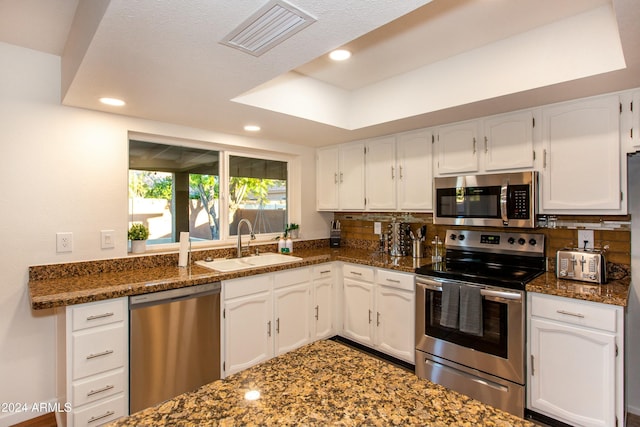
{"type": "Point", "coordinates": [470, 310]}
{"type": "Point", "coordinates": [449, 313]}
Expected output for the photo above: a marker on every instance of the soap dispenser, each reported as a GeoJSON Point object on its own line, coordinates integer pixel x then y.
{"type": "Point", "coordinates": [281, 244]}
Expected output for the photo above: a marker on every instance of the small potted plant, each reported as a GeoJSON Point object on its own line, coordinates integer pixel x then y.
{"type": "Point", "coordinates": [138, 234]}
{"type": "Point", "coordinates": [293, 229]}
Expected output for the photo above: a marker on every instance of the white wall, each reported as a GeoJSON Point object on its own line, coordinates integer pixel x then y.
{"type": "Point", "coordinates": [632, 324]}
{"type": "Point", "coordinates": [65, 169]}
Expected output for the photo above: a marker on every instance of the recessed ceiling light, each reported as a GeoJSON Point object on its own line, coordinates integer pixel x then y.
{"type": "Point", "coordinates": [340, 55]}
{"type": "Point", "coordinates": [114, 102]}
{"type": "Point", "coordinates": [252, 128]}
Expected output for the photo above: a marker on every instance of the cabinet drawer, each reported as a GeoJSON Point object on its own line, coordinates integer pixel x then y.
{"type": "Point", "coordinates": [291, 277]}
{"type": "Point", "coordinates": [583, 313]}
{"type": "Point", "coordinates": [96, 351]}
{"type": "Point", "coordinates": [322, 271]}
{"type": "Point", "coordinates": [357, 272]}
{"type": "Point", "coordinates": [101, 413]}
{"type": "Point", "coordinates": [246, 286]}
{"type": "Point", "coordinates": [395, 279]}
{"type": "Point", "coordinates": [97, 314]}
{"type": "Point", "coordinates": [98, 387]}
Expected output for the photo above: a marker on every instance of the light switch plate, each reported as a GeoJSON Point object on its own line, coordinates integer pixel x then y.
{"type": "Point", "coordinates": [107, 239]}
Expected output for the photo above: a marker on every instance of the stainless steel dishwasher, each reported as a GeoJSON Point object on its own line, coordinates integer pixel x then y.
{"type": "Point", "coordinates": [174, 342]}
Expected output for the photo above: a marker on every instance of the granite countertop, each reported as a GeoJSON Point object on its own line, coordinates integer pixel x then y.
{"type": "Point", "coordinates": [60, 285]}
{"type": "Point", "coordinates": [615, 292]}
{"type": "Point", "coordinates": [323, 383]}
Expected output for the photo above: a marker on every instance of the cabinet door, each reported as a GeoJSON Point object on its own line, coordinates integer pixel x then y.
{"type": "Point", "coordinates": [381, 174]}
{"type": "Point", "coordinates": [395, 322]}
{"type": "Point", "coordinates": [415, 171]}
{"type": "Point", "coordinates": [358, 311]}
{"type": "Point", "coordinates": [456, 148]}
{"type": "Point", "coordinates": [323, 309]}
{"type": "Point", "coordinates": [572, 377]}
{"type": "Point", "coordinates": [292, 326]}
{"type": "Point", "coordinates": [351, 177]}
{"type": "Point", "coordinates": [248, 331]}
{"type": "Point", "coordinates": [327, 178]}
{"type": "Point", "coordinates": [508, 141]}
{"type": "Point", "coordinates": [581, 163]}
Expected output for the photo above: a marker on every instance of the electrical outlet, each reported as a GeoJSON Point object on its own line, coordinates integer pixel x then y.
{"type": "Point", "coordinates": [64, 242]}
{"type": "Point", "coordinates": [585, 236]}
{"type": "Point", "coordinates": [377, 228]}
{"type": "Point", "coordinates": [107, 239]}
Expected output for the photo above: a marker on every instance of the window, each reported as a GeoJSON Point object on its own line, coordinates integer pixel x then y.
{"type": "Point", "coordinates": [175, 188]}
{"type": "Point", "coordinates": [257, 192]}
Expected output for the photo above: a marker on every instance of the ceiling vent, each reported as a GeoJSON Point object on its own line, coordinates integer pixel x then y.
{"type": "Point", "coordinates": [268, 27]}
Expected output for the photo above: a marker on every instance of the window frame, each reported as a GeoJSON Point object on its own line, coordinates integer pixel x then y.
{"type": "Point", "coordinates": [225, 151]}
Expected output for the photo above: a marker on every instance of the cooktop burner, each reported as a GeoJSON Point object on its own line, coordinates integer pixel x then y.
{"type": "Point", "coordinates": [508, 260]}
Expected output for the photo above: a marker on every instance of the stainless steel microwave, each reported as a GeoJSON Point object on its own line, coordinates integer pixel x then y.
{"type": "Point", "coordinates": [495, 200]}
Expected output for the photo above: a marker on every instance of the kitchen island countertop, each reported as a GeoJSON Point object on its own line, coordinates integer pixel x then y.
{"type": "Point", "coordinates": [321, 384]}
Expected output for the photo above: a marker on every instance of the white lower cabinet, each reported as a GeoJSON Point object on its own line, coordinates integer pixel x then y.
{"type": "Point", "coordinates": [247, 319]}
{"type": "Point", "coordinates": [379, 307]}
{"type": "Point", "coordinates": [323, 313]}
{"type": "Point", "coordinates": [576, 368]}
{"type": "Point", "coordinates": [93, 369]}
{"type": "Point", "coordinates": [264, 316]}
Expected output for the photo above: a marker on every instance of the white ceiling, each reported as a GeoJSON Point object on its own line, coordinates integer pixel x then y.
{"type": "Point", "coordinates": [165, 60]}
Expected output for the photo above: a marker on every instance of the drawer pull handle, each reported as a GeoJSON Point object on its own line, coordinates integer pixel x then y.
{"type": "Point", "coordinates": [355, 273]}
{"type": "Point", "coordinates": [99, 417]}
{"type": "Point", "coordinates": [325, 271]}
{"type": "Point", "coordinates": [100, 390]}
{"type": "Point", "coordinates": [100, 316]}
{"type": "Point", "coordinates": [568, 313]}
{"type": "Point", "coordinates": [104, 353]}
{"type": "Point", "coordinates": [393, 280]}
{"type": "Point", "coordinates": [317, 312]}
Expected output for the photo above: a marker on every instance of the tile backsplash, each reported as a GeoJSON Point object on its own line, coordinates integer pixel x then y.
{"type": "Point", "coordinates": [612, 231]}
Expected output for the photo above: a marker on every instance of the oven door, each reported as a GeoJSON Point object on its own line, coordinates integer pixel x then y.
{"type": "Point", "coordinates": [499, 351]}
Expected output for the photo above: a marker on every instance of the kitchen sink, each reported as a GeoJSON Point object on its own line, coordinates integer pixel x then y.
{"type": "Point", "coordinates": [235, 264]}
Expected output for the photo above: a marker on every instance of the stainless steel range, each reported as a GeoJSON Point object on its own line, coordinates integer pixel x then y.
{"type": "Point", "coordinates": [470, 315]}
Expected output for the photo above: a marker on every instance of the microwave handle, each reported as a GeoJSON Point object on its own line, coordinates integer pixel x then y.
{"type": "Point", "coordinates": [503, 202]}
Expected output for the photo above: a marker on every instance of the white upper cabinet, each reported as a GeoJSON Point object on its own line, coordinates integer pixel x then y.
{"type": "Point", "coordinates": [581, 165]}
{"type": "Point", "coordinates": [456, 148]}
{"type": "Point", "coordinates": [399, 172]}
{"type": "Point", "coordinates": [415, 170]}
{"type": "Point", "coordinates": [630, 121]}
{"type": "Point", "coordinates": [508, 141]}
{"type": "Point", "coordinates": [381, 173]}
{"type": "Point", "coordinates": [340, 177]}
{"type": "Point", "coordinates": [327, 170]}
{"type": "Point", "coordinates": [497, 143]}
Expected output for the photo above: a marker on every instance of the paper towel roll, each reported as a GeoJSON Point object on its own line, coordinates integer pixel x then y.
{"type": "Point", "coordinates": [183, 257]}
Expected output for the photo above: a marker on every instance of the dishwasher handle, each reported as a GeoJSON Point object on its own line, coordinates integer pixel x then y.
{"type": "Point", "coordinates": [163, 297]}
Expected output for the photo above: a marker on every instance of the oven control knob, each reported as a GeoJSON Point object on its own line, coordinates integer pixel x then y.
{"type": "Point", "coordinates": [521, 241]}
{"type": "Point", "coordinates": [453, 237]}
{"type": "Point", "coordinates": [511, 240]}
{"type": "Point", "coordinates": [532, 242]}
{"type": "Point", "coordinates": [461, 237]}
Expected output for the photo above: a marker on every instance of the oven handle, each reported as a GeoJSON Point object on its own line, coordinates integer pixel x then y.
{"type": "Point", "coordinates": [433, 286]}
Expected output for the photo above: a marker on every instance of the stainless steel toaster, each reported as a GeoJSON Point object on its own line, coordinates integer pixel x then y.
{"type": "Point", "coordinates": [584, 265]}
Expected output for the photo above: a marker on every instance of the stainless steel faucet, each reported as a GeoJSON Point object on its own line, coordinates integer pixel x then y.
{"type": "Point", "coordinates": [253, 236]}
